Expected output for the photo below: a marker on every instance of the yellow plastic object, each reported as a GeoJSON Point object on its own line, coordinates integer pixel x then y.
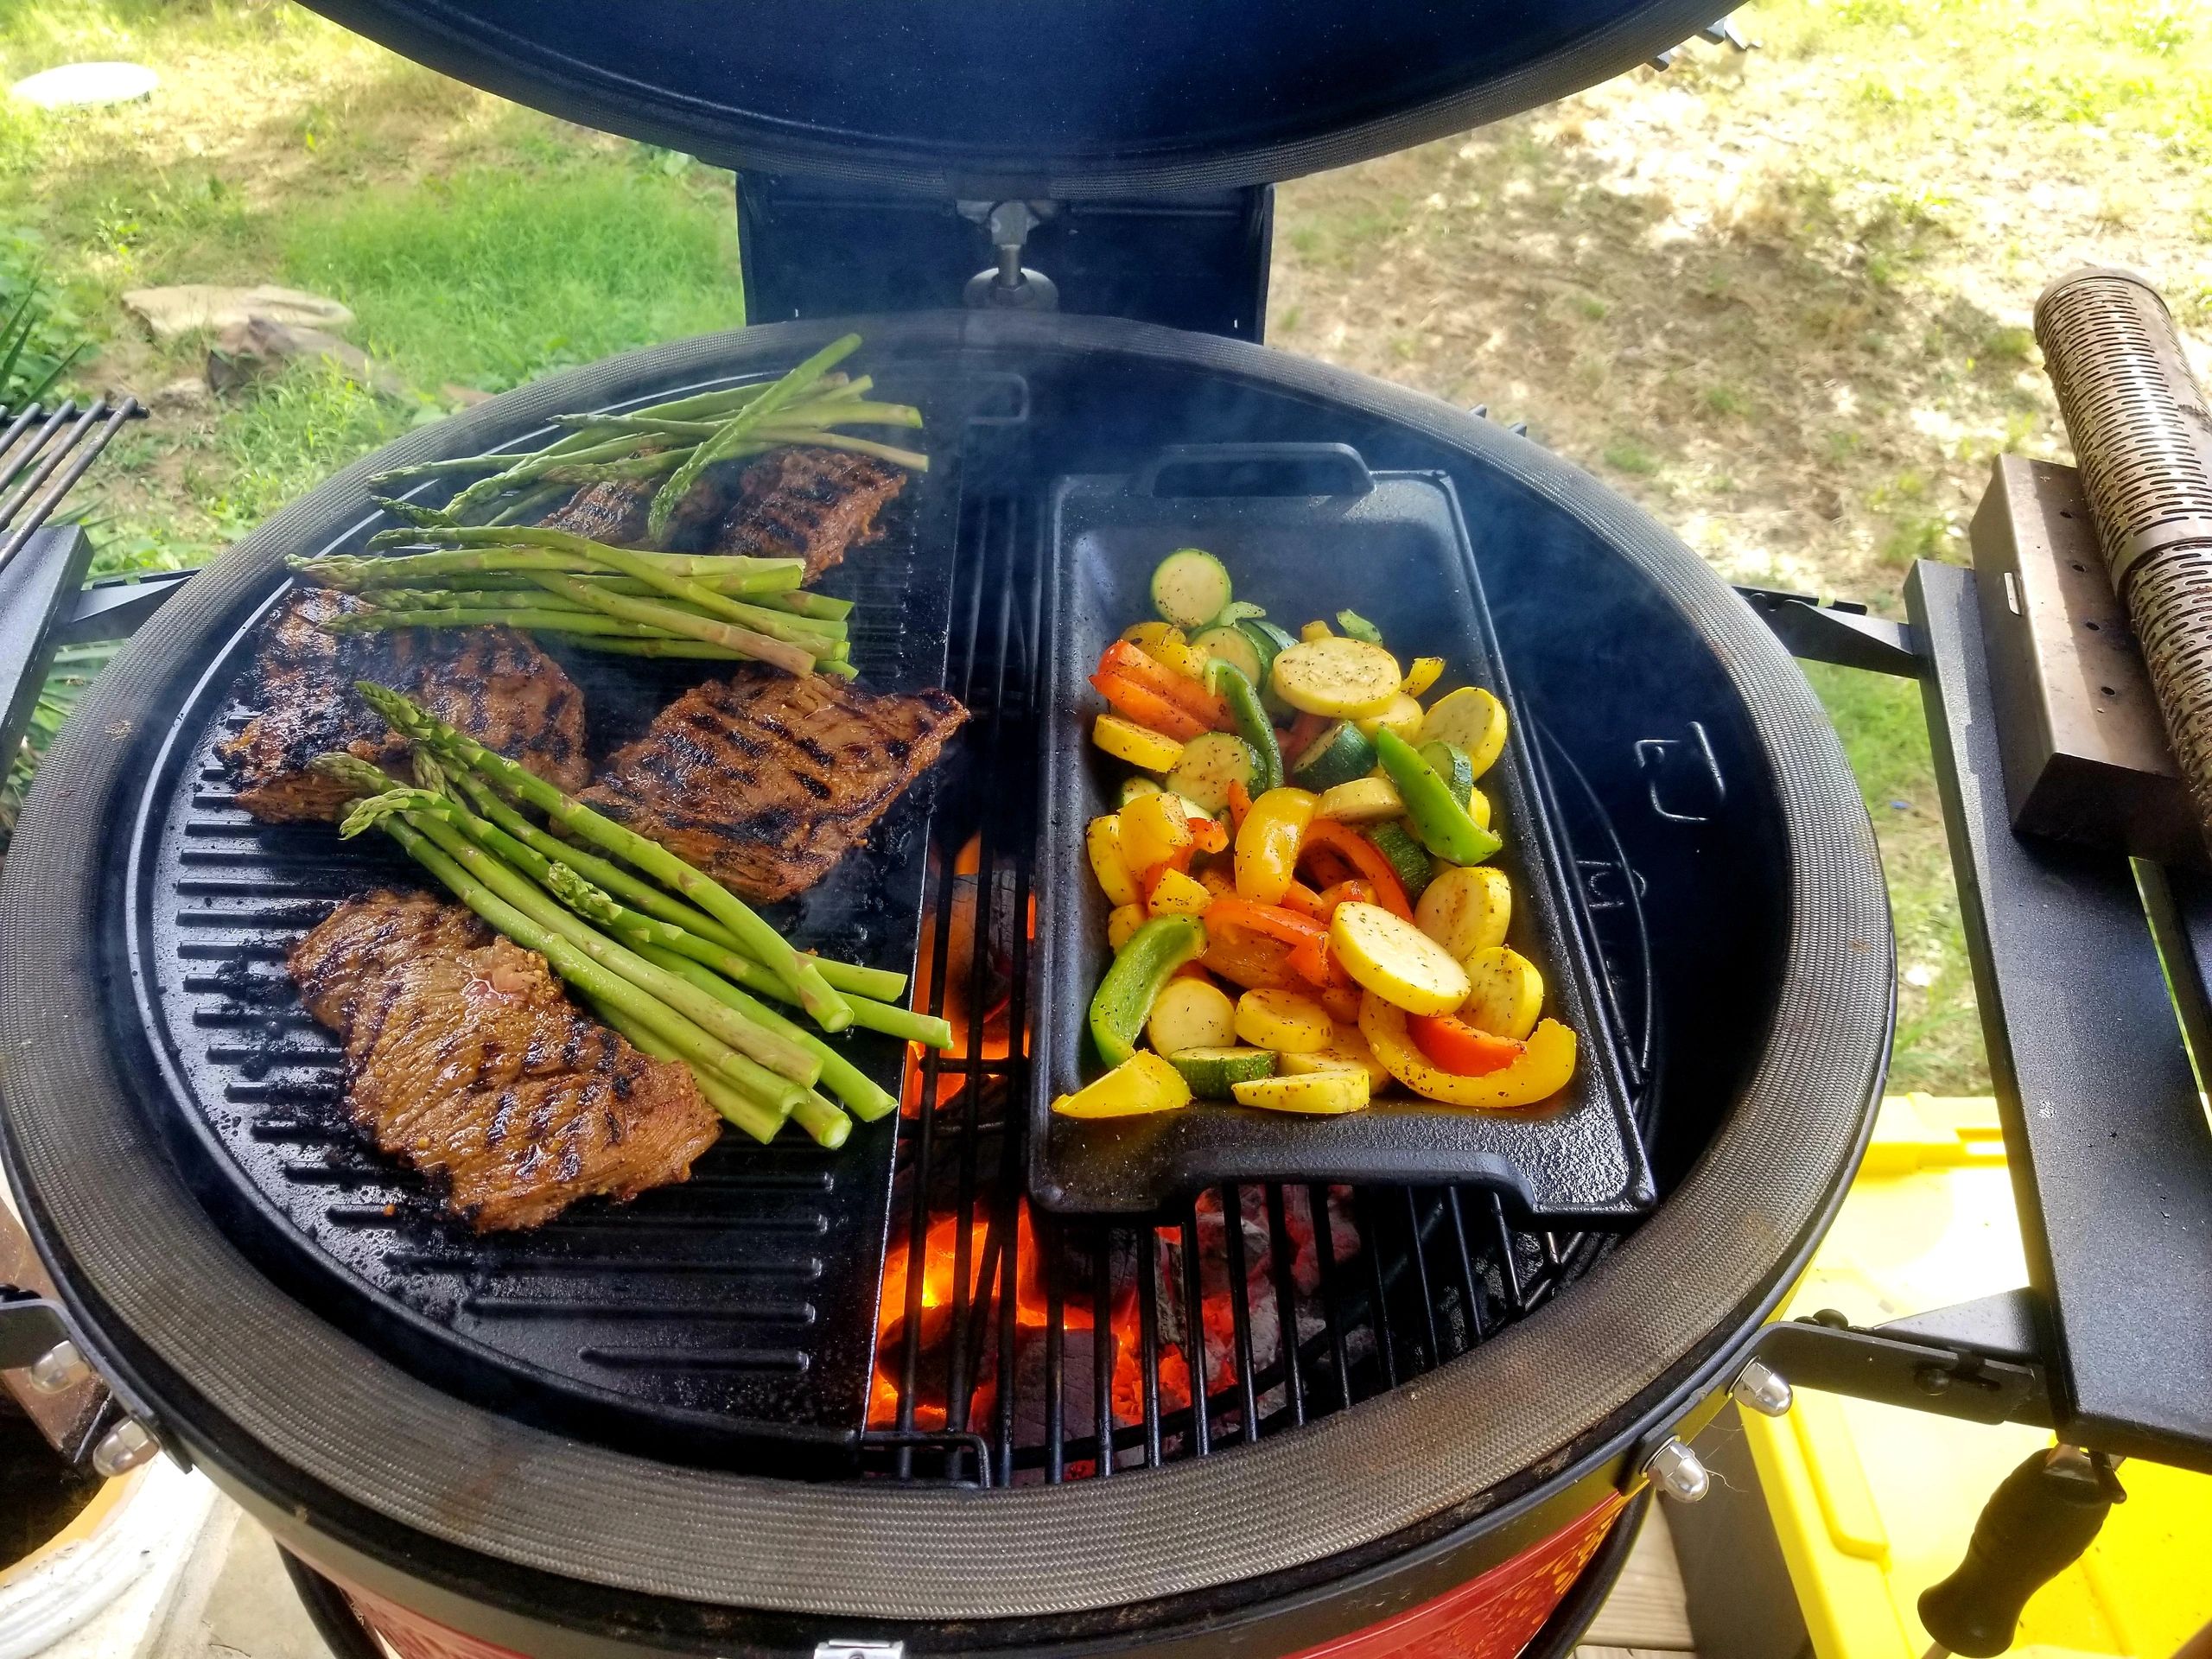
{"type": "Point", "coordinates": [1874, 1503]}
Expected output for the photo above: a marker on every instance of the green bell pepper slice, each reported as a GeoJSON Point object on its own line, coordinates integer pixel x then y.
{"type": "Point", "coordinates": [1227, 682]}
{"type": "Point", "coordinates": [1143, 964]}
{"type": "Point", "coordinates": [1442, 823]}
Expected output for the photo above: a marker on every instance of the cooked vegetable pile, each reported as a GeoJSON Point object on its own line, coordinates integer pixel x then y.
{"type": "Point", "coordinates": [1341, 929]}
{"type": "Point", "coordinates": [662, 952]}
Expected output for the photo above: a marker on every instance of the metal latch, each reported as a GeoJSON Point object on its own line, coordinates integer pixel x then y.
{"type": "Point", "coordinates": [1009, 285]}
{"type": "Point", "coordinates": [860, 1651]}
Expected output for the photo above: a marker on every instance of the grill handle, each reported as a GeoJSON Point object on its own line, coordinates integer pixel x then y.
{"type": "Point", "coordinates": [2035, 1524]}
{"type": "Point", "coordinates": [1254, 469]}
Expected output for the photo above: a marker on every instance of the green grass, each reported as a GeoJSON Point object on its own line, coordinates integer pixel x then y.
{"type": "Point", "coordinates": [1885, 737]}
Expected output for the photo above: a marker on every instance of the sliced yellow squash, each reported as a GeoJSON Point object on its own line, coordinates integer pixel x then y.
{"type": "Point", "coordinates": [1465, 909]}
{"type": "Point", "coordinates": [1142, 747]}
{"type": "Point", "coordinates": [1121, 921]}
{"type": "Point", "coordinates": [1403, 716]}
{"type": "Point", "coordinates": [1546, 1064]}
{"type": "Point", "coordinates": [1326, 1094]}
{"type": "Point", "coordinates": [1504, 993]}
{"type": "Point", "coordinates": [1471, 719]}
{"type": "Point", "coordinates": [1284, 1022]}
{"type": "Point", "coordinates": [1396, 961]}
{"type": "Point", "coordinates": [1190, 1014]}
{"type": "Point", "coordinates": [1344, 679]}
{"type": "Point", "coordinates": [1143, 1083]}
{"type": "Point", "coordinates": [1363, 800]}
{"type": "Point", "coordinates": [1347, 1052]}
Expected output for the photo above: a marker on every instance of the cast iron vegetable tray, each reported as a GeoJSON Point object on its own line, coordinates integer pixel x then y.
{"type": "Point", "coordinates": [1307, 530]}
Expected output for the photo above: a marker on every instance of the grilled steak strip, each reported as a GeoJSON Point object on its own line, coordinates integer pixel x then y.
{"type": "Point", "coordinates": [491, 683]}
{"type": "Point", "coordinates": [763, 780]}
{"type": "Point", "coordinates": [800, 502]}
{"type": "Point", "coordinates": [807, 503]}
{"type": "Point", "coordinates": [464, 1057]}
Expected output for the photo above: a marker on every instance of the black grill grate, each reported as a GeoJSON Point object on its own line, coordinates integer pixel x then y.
{"type": "Point", "coordinates": [1021, 1346]}
{"type": "Point", "coordinates": [43, 452]}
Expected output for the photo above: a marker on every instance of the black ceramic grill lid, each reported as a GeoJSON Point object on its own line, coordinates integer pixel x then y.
{"type": "Point", "coordinates": [1053, 98]}
{"type": "Point", "coordinates": [319, 1422]}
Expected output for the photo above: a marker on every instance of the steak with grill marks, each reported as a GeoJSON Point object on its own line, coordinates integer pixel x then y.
{"type": "Point", "coordinates": [464, 1058]}
{"type": "Point", "coordinates": [493, 683]}
{"type": "Point", "coordinates": [807, 503]}
{"type": "Point", "coordinates": [800, 502]}
{"type": "Point", "coordinates": [763, 779]}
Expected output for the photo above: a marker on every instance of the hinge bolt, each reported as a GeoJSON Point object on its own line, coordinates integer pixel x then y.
{"type": "Point", "coordinates": [60, 1367]}
{"type": "Point", "coordinates": [123, 1448]}
{"type": "Point", "coordinates": [1758, 1387]}
{"type": "Point", "coordinates": [1679, 1473]}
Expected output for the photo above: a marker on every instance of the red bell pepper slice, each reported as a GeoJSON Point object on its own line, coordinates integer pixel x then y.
{"type": "Point", "coordinates": [1147, 708]}
{"type": "Point", "coordinates": [1125, 660]}
{"type": "Point", "coordinates": [1147, 882]}
{"type": "Point", "coordinates": [1302, 733]}
{"type": "Point", "coordinates": [1207, 836]}
{"type": "Point", "coordinates": [1451, 1045]}
{"type": "Point", "coordinates": [1366, 859]}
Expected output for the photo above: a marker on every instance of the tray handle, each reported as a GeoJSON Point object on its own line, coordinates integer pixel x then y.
{"type": "Point", "coordinates": [1254, 469]}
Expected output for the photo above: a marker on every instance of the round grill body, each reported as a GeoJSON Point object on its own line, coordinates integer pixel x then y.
{"type": "Point", "coordinates": [549, 1523]}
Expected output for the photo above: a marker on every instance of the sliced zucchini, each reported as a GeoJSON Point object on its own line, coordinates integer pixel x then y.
{"type": "Point", "coordinates": [1190, 1014]}
{"type": "Point", "coordinates": [1408, 857]}
{"type": "Point", "coordinates": [1132, 787]}
{"type": "Point", "coordinates": [1338, 756]}
{"type": "Point", "coordinates": [1472, 718]}
{"type": "Point", "coordinates": [1449, 761]}
{"type": "Point", "coordinates": [1143, 1083]}
{"type": "Point", "coordinates": [1363, 800]}
{"type": "Point", "coordinates": [1233, 646]}
{"type": "Point", "coordinates": [1211, 762]}
{"type": "Point", "coordinates": [1270, 642]}
{"type": "Point", "coordinates": [1326, 1093]}
{"type": "Point", "coordinates": [1212, 1073]}
{"type": "Point", "coordinates": [1403, 716]}
{"type": "Point", "coordinates": [1346, 679]}
{"type": "Point", "coordinates": [1238, 610]}
{"type": "Point", "coordinates": [1189, 588]}
{"type": "Point", "coordinates": [1396, 960]}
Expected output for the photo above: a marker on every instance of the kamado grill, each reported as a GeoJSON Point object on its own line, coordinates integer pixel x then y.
{"type": "Point", "coordinates": [880, 1400]}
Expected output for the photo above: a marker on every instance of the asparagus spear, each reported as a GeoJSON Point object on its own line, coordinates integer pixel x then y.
{"type": "Point", "coordinates": [764, 1063]}
{"type": "Point", "coordinates": [484, 550]}
{"type": "Point", "coordinates": [786, 392]}
{"type": "Point", "coordinates": [876, 984]}
{"type": "Point", "coordinates": [759, 941]}
{"type": "Point", "coordinates": [792, 659]}
{"type": "Point", "coordinates": [642, 568]}
{"type": "Point", "coordinates": [697, 1047]}
{"type": "Point", "coordinates": [736, 1109]}
{"type": "Point", "coordinates": [537, 619]}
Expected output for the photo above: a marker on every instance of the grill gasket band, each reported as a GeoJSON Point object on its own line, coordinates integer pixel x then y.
{"type": "Point", "coordinates": [134, 1247]}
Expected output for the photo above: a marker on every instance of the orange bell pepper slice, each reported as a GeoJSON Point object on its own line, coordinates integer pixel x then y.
{"type": "Point", "coordinates": [1248, 959]}
{"type": "Point", "coordinates": [1208, 836]}
{"type": "Point", "coordinates": [1240, 802]}
{"type": "Point", "coordinates": [1307, 902]}
{"type": "Point", "coordinates": [1146, 707]}
{"type": "Point", "coordinates": [1316, 962]}
{"type": "Point", "coordinates": [1366, 859]}
{"type": "Point", "coordinates": [1348, 892]}
{"type": "Point", "coordinates": [1268, 921]}
{"type": "Point", "coordinates": [1451, 1045]}
{"type": "Point", "coordinates": [1125, 661]}
{"type": "Point", "coordinates": [1301, 735]}
{"type": "Point", "coordinates": [1180, 861]}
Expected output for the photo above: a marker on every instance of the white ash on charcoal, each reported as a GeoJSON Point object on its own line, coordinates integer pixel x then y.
{"type": "Point", "coordinates": [1220, 1334]}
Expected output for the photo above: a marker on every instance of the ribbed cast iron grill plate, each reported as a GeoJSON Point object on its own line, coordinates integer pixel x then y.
{"type": "Point", "coordinates": [739, 1302]}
